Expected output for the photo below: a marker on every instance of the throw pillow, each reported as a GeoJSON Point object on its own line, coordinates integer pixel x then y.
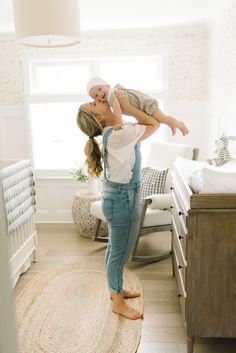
{"type": "Point", "coordinates": [153, 181]}
{"type": "Point", "coordinates": [160, 201]}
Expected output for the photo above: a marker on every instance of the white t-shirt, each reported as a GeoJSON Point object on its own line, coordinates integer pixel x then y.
{"type": "Point", "coordinates": [121, 152]}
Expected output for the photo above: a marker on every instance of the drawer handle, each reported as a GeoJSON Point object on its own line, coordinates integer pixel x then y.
{"type": "Point", "coordinates": [171, 207]}
{"type": "Point", "coordinates": [171, 188]}
{"type": "Point", "coordinates": [180, 295]}
{"type": "Point", "coordinates": [179, 267]}
{"type": "Point", "coordinates": [180, 213]}
{"type": "Point", "coordinates": [180, 237]}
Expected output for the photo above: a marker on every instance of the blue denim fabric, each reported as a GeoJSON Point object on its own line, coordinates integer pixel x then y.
{"type": "Point", "coordinates": [121, 207]}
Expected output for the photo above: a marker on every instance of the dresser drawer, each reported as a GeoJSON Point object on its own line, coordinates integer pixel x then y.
{"type": "Point", "coordinates": [179, 241]}
{"type": "Point", "coordinates": [180, 221]}
{"type": "Point", "coordinates": [179, 232]}
{"type": "Point", "coordinates": [182, 188]}
{"type": "Point", "coordinates": [180, 266]}
{"type": "Point", "coordinates": [180, 279]}
{"type": "Point", "coordinates": [178, 207]}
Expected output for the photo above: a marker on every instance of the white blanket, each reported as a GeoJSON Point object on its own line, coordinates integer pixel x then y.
{"type": "Point", "coordinates": [204, 178]}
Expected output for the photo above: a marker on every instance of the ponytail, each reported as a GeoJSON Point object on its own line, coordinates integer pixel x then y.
{"type": "Point", "coordinates": [94, 158]}
{"type": "Point", "coordinates": [91, 128]}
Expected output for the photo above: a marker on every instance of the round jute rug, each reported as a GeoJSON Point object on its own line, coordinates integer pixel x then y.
{"type": "Point", "coordinates": [67, 309]}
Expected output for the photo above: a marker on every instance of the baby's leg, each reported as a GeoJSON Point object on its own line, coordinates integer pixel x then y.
{"type": "Point", "coordinates": [171, 122]}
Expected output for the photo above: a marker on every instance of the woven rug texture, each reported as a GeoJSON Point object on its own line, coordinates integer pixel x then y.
{"type": "Point", "coordinates": [67, 309]}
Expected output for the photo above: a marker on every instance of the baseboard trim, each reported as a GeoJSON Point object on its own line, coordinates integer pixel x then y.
{"type": "Point", "coordinates": [56, 227]}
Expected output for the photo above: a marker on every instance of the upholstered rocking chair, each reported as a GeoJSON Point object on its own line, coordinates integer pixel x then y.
{"type": "Point", "coordinates": [155, 214]}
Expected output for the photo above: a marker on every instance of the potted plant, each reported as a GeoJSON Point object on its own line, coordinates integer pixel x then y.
{"type": "Point", "coordinates": [80, 174]}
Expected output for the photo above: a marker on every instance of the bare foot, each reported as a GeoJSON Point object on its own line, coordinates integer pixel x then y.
{"type": "Point", "coordinates": [120, 307]}
{"type": "Point", "coordinates": [128, 294]}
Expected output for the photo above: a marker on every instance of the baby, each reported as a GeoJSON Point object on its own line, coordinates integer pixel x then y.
{"type": "Point", "coordinates": [101, 91]}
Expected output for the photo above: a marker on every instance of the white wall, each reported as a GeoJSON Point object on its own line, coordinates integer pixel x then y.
{"type": "Point", "coordinates": [222, 76]}
{"type": "Point", "coordinates": [13, 140]}
{"type": "Point", "coordinates": [185, 50]}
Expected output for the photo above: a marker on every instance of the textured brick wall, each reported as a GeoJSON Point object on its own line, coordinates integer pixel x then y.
{"type": "Point", "coordinates": [185, 47]}
{"type": "Point", "coordinates": [223, 57]}
{"type": "Point", "coordinates": [188, 67]}
{"type": "Point", "coordinates": [11, 75]}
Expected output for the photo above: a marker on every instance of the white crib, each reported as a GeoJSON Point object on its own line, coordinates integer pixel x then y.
{"type": "Point", "coordinates": [18, 196]}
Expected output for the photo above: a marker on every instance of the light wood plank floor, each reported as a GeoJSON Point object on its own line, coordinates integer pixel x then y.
{"type": "Point", "coordinates": [162, 328]}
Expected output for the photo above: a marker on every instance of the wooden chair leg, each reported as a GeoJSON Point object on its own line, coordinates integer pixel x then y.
{"type": "Point", "coordinates": [151, 258]}
{"type": "Point", "coordinates": [96, 236]}
{"type": "Point", "coordinates": [135, 248]}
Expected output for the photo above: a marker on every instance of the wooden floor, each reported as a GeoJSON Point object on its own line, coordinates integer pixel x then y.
{"type": "Point", "coordinates": [162, 328]}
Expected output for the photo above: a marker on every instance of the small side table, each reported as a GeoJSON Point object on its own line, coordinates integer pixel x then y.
{"type": "Point", "coordinates": [82, 218]}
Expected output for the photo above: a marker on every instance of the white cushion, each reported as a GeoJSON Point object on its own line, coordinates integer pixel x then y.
{"type": "Point", "coordinates": [205, 178]}
{"type": "Point", "coordinates": [160, 201]}
{"type": "Point", "coordinates": [153, 216]}
{"type": "Point", "coordinates": [189, 167]}
{"type": "Point", "coordinates": [218, 181]}
{"type": "Point", "coordinates": [162, 155]}
{"type": "Point", "coordinates": [96, 210]}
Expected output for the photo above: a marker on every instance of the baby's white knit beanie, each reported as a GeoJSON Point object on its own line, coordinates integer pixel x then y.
{"type": "Point", "coordinates": [96, 81]}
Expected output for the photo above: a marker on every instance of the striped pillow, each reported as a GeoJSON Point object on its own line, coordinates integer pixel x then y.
{"type": "Point", "coordinates": [153, 181]}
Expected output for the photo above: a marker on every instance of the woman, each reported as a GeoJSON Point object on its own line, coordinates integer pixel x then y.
{"type": "Point", "coordinates": [121, 185]}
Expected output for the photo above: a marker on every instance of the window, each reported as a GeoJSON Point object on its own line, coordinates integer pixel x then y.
{"type": "Point", "coordinates": [57, 88]}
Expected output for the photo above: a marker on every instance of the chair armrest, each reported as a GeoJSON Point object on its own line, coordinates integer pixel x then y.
{"type": "Point", "coordinates": [159, 201]}
{"type": "Point", "coordinates": [144, 204]}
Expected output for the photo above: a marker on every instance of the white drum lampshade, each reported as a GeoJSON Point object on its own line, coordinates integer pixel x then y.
{"type": "Point", "coordinates": [47, 23]}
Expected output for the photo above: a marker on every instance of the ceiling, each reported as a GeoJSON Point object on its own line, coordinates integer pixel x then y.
{"type": "Point", "coordinates": [111, 14]}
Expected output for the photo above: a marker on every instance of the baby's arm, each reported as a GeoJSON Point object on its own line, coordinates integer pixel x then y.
{"type": "Point", "coordinates": [151, 124]}
{"type": "Point", "coordinates": [116, 109]}
{"type": "Point", "coordinates": [139, 115]}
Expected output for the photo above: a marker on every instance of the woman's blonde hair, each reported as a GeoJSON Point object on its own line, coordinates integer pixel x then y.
{"type": "Point", "coordinates": [88, 124]}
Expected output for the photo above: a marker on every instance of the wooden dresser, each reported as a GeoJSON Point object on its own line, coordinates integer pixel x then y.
{"type": "Point", "coordinates": [204, 260]}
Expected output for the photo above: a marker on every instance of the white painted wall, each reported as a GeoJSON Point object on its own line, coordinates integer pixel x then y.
{"type": "Point", "coordinates": [13, 133]}
{"type": "Point", "coordinates": [222, 76]}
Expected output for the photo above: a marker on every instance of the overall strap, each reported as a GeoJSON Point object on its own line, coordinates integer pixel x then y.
{"type": "Point", "coordinates": [104, 149]}
{"type": "Point", "coordinates": [137, 165]}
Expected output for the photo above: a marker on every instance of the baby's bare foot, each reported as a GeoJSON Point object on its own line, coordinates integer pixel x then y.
{"type": "Point", "coordinates": [183, 128]}
{"type": "Point", "coordinates": [173, 129]}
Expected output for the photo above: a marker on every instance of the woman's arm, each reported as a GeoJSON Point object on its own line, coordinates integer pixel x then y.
{"type": "Point", "coordinates": [116, 108]}
{"type": "Point", "coordinates": [143, 119]}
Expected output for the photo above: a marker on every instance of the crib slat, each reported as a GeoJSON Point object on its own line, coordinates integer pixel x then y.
{"type": "Point", "coordinates": [18, 192]}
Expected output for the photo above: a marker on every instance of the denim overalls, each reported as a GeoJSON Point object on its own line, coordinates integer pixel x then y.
{"type": "Point", "coordinates": [121, 207]}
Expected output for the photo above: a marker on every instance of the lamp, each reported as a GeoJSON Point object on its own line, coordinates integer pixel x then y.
{"type": "Point", "coordinates": [47, 23]}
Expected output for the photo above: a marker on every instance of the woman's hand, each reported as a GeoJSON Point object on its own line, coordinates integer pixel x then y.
{"type": "Point", "coordinates": [123, 99]}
